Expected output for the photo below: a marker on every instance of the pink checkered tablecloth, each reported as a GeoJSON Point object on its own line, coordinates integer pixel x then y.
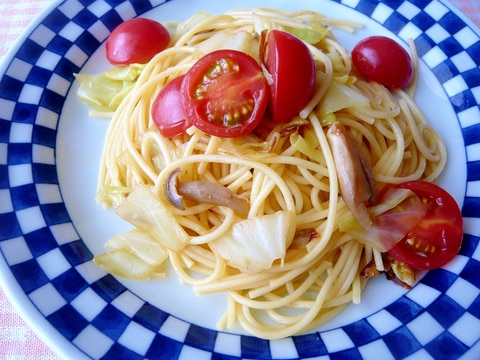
{"type": "Point", "coordinates": [17, 340]}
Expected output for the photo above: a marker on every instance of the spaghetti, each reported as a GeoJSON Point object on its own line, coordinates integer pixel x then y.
{"type": "Point", "coordinates": [318, 278]}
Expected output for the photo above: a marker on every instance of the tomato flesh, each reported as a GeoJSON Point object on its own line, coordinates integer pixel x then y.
{"type": "Point", "coordinates": [383, 60]}
{"type": "Point", "coordinates": [293, 71]}
{"type": "Point", "coordinates": [136, 41]}
{"type": "Point", "coordinates": [167, 109]}
{"type": "Point", "coordinates": [225, 93]}
{"type": "Point", "coordinates": [437, 238]}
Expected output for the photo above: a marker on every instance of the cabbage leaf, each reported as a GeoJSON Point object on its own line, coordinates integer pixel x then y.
{"type": "Point", "coordinates": [104, 91]}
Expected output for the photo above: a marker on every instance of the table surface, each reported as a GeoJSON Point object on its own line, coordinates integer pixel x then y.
{"type": "Point", "coordinates": [17, 340]}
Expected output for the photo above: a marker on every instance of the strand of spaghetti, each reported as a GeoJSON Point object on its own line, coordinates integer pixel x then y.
{"type": "Point", "coordinates": [322, 78]}
{"type": "Point", "coordinates": [414, 55]}
{"type": "Point", "coordinates": [192, 223]}
{"type": "Point", "coordinates": [227, 321]}
{"type": "Point", "coordinates": [212, 148]}
{"type": "Point", "coordinates": [278, 196]}
{"type": "Point", "coordinates": [275, 16]}
{"type": "Point", "coordinates": [236, 179]}
{"type": "Point", "coordinates": [296, 192]}
{"type": "Point", "coordinates": [162, 147]}
{"type": "Point", "coordinates": [342, 300]}
{"type": "Point", "coordinates": [348, 265]}
{"type": "Point", "coordinates": [286, 300]}
{"type": "Point", "coordinates": [182, 55]}
{"type": "Point", "coordinates": [312, 180]}
{"type": "Point", "coordinates": [399, 179]}
{"type": "Point", "coordinates": [327, 314]}
{"type": "Point", "coordinates": [137, 159]}
{"type": "Point", "coordinates": [311, 216]}
{"type": "Point", "coordinates": [377, 256]}
{"type": "Point", "coordinates": [357, 286]}
{"type": "Point", "coordinates": [345, 60]}
{"type": "Point", "coordinates": [217, 231]}
{"type": "Point", "coordinates": [235, 282]}
{"type": "Point", "coordinates": [179, 270]}
{"type": "Point", "coordinates": [316, 199]}
{"type": "Point", "coordinates": [333, 194]}
{"type": "Point", "coordinates": [413, 112]}
{"type": "Point", "coordinates": [440, 165]}
{"type": "Point", "coordinates": [417, 136]}
{"type": "Point", "coordinates": [200, 254]}
{"type": "Point", "coordinates": [187, 219]}
{"type": "Point", "coordinates": [257, 202]}
{"type": "Point", "coordinates": [391, 161]}
{"type": "Point", "coordinates": [189, 146]}
{"type": "Point", "coordinates": [256, 187]}
{"type": "Point", "coordinates": [279, 331]}
{"type": "Point", "coordinates": [366, 132]}
{"type": "Point", "coordinates": [301, 163]}
{"type": "Point", "coordinates": [210, 22]}
{"type": "Point", "coordinates": [289, 276]}
{"type": "Point", "coordinates": [103, 174]}
{"type": "Point", "coordinates": [345, 25]}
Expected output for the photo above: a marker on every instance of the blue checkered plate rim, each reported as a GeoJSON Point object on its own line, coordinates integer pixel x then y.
{"type": "Point", "coordinates": [50, 227]}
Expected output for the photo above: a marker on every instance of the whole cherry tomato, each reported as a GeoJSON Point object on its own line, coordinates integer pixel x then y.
{"type": "Point", "coordinates": [136, 40]}
{"type": "Point", "coordinates": [384, 61]}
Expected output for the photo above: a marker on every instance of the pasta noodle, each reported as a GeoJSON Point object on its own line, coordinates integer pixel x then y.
{"type": "Point", "coordinates": [314, 282]}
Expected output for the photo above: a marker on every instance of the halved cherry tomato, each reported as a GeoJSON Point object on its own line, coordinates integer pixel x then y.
{"type": "Point", "coordinates": [136, 41]}
{"type": "Point", "coordinates": [437, 238]}
{"type": "Point", "coordinates": [225, 93]}
{"type": "Point", "coordinates": [384, 61]}
{"type": "Point", "coordinates": [293, 71]}
{"type": "Point", "coordinates": [167, 109]}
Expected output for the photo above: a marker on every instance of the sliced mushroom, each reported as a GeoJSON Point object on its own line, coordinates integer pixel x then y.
{"type": "Point", "coordinates": [171, 192]}
{"type": "Point", "coordinates": [356, 181]}
{"type": "Point", "coordinates": [207, 192]}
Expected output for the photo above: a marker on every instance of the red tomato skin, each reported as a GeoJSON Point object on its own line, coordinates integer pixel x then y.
{"type": "Point", "coordinates": [293, 70]}
{"type": "Point", "coordinates": [136, 40]}
{"type": "Point", "coordinates": [236, 88]}
{"type": "Point", "coordinates": [384, 61]}
{"type": "Point", "coordinates": [442, 227]}
{"type": "Point", "coordinates": [167, 110]}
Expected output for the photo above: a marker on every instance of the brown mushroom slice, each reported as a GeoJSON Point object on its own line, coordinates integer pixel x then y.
{"type": "Point", "coordinates": [202, 191]}
{"type": "Point", "coordinates": [209, 192]}
{"type": "Point", "coordinates": [171, 192]}
{"type": "Point", "coordinates": [356, 181]}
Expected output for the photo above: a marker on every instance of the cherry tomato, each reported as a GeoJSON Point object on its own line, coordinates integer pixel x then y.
{"type": "Point", "coordinates": [384, 61]}
{"type": "Point", "coordinates": [167, 109]}
{"type": "Point", "coordinates": [293, 71]}
{"type": "Point", "coordinates": [437, 238]}
{"type": "Point", "coordinates": [136, 41]}
{"type": "Point", "coordinates": [225, 93]}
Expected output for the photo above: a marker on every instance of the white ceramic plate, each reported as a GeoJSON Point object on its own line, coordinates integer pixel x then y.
{"type": "Point", "coordinates": [50, 225]}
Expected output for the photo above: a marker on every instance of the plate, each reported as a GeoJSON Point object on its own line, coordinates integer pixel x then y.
{"type": "Point", "coordinates": [51, 227]}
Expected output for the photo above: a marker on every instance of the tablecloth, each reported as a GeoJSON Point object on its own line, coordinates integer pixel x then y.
{"type": "Point", "coordinates": [17, 340]}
